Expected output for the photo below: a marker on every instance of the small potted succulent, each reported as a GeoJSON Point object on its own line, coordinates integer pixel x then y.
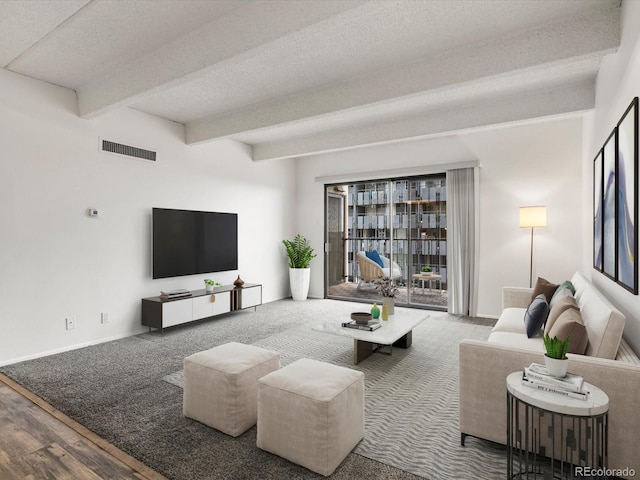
{"type": "Point", "coordinates": [426, 269]}
{"type": "Point", "coordinates": [209, 284]}
{"type": "Point", "coordinates": [556, 359]}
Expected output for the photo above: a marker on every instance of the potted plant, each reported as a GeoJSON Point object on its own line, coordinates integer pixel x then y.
{"type": "Point", "coordinates": [556, 357]}
{"type": "Point", "coordinates": [209, 284]}
{"type": "Point", "coordinates": [388, 290]}
{"type": "Point", "coordinates": [426, 269]}
{"type": "Point", "coordinates": [300, 255]}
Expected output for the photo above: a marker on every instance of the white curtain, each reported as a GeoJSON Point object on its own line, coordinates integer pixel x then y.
{"type": "Point", "coordinates": [461, 233]}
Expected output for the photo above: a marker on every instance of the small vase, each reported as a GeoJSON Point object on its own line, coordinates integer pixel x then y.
{"type": "Point", "coordinates": [556, 367]}
{"type": "Point", "coordinates": [385, 311]}
{"type": "Point", "coordinates": [209, 288]}
{"type": "Point", "coordinates": [238, 282]}
{"type": "Point", "coordinates": [390, 302]}
{"type": "Point", "coordinates": [375, 311]}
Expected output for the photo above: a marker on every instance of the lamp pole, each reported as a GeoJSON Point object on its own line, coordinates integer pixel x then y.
{"type": "Point", "coordinates": [532, 217]}
{"type": "Point", "coordinates": [531, 262]}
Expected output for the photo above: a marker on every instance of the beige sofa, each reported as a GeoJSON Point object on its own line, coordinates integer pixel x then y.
{"type": "Point", "coordinates": [609, 363]}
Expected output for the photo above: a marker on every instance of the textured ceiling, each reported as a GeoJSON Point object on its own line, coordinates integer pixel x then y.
{"type": "Point", "coordinates": [294, 77]}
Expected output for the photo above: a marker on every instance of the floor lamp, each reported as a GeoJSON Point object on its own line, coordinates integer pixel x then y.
{"type": "Point", "coordinates": [532, 217]}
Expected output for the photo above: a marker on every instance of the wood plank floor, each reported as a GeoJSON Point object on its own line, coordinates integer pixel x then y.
{"type": "Point", "coordinates": [39, 442]}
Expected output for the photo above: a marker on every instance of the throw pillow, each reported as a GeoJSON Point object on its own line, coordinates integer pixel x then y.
{"type": "Point", "coordinates": [545, 287]}
{"type": "Point", "coordinates": [375, 256]}
{"type": "Point", "coordinates": [557, 307]}
{"type": "Point", "coordinates": [536, 315]}
{"type": "Point", "coordinates": [570, 324]}
{"type": "Point", "coordinates": [564, 289]}
{"type": "Point", "coordinates": [559, 294]}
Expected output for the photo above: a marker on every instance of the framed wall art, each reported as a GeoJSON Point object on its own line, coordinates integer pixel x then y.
{"type": "Point", "coordinates": [609, 207]}
{"type": "Point", "coordinates": [597, 212]}
{"type": "Point", "coordinates": [616, 169]}
{"type": "Point", "coordinates": [627, 197]}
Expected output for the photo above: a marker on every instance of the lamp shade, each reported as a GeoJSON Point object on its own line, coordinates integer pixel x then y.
{"type": "Point", "coordinates": [533, 217]}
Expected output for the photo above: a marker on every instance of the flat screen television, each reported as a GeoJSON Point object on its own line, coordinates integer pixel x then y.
{"type": "Point", "coordinates": [187, 242]}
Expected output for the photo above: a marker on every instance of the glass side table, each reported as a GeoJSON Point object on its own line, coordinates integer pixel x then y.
{"type": "Point", "coordinates": [553, 436]}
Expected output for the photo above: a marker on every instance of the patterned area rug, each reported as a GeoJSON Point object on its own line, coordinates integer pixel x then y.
{"type": "Point", "coordinates": [411, 404]}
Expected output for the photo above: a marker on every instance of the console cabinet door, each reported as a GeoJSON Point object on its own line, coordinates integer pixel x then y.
{"type": "Point", "coordinates": [202, 307]}
{"type": "Point", "coordinates": [176, 312]}
{"type": "Point", "coordinates": [210, 305]}
{"type": "Point", "coordinates": [250, 297]}
{"type": "Point", "coordinates": [222, 303]}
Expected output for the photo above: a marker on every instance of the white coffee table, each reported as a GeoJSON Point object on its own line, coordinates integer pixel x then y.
{"type": "Point", "coordinates": [395, 332]}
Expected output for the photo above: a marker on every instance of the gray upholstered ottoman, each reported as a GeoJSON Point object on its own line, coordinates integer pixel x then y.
{"type": "Point", "coordinates": [311, 413]}
{"type": "Point", "coordinates": [220, 385]}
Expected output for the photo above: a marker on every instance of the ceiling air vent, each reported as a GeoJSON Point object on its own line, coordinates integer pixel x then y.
{"type": "Point", "coordinates": [128, 150]}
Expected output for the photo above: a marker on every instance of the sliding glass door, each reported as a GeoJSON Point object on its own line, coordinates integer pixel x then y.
{"type": "Point", "coordinates": [404, 221]}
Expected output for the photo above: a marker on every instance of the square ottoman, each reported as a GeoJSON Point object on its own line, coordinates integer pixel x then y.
{"type": "Point", "coordinates": [220, 385]}
{"type": "Point", "coordinates": [311, 413]}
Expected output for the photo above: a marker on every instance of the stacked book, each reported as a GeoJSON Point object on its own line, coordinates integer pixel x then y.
{"type": "Point", "coordinates": [369, 327]}
{"type": "Point", "coordinates": [175, 294]}
{"type": "Point", "coordinates": [536, 376]}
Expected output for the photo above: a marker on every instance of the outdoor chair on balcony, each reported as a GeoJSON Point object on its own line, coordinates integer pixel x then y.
{"type": "Point", "coordinates": [371, 270]}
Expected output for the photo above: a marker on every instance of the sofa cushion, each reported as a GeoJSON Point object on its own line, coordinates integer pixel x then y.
{"type": "Point", "coordinates": [517, 340]}
{"type": "Point", "coordinates": [536, 315]}
{"type": "Point", "coordinates": [375, 256]}
{"type": "Point", "coordinates": [545, 287]}
{"type": "Point", "coordinates": [558, 308]}
{"type": "Point", "coordinates": [569, 324]}
{"type": "Point", "coordinates": [511, 321]}
{"type": "Point", "coordinates": [604, 323]}
{"type": "Point", "coordinates": [566, 289]}
{"type": "Point", "coordinates": [566, 284]}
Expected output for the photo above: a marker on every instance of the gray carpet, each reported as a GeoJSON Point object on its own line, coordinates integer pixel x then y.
{"type": "Point", "coordinates": [116, 390]}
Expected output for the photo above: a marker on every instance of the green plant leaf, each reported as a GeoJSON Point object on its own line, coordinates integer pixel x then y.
{"type": "Point", "coordinates": [555, 347]}
{"type": "Point", "coordinates": [299, 251]}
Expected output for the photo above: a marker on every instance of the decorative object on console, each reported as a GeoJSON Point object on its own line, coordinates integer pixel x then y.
{"type": "Point", "coordinates": [615, 197]}
{"type": "Point", "coordinates": [533, 217]}
{"type": "Point", "coordinates": [300, 255]}
{"type": "Point", "coordinates": [238, 282]}
{"type": "Point", "coordinates": [385, 311]}
{"type": "Point", "coordinates": [375, 311]}
{"type": "Point", "coordinates": [209, 284]}
{"type": "Point", "coordinates": [556, 357]}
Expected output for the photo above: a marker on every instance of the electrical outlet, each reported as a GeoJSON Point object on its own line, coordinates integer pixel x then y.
{"type": "Point", "coordinates": [71, 323]}
{"type": "Point", "coordinates": [104, 317]}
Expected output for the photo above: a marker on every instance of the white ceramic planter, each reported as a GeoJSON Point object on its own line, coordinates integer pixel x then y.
{"type": "Point", "coordinates": [556, 366]}
{"type": "Point", "coordinates": [209, 288]}
{"type": "Point", "coordinates": [299, 282]}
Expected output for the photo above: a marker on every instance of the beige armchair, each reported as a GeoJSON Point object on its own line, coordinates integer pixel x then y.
{"type": "Point", "coordinates": [370, 270]}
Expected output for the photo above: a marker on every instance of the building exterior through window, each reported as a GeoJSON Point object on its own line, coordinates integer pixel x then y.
{"type": "Point", "coordinates": [405, 222]}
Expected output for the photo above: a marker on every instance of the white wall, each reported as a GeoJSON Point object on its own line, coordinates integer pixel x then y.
{"type": "Point", "coordinates": [56, 262]}
{"type": "Point", "coordinates": [536, 163]}
{"type": "Point", "coordinates": [617, 84]}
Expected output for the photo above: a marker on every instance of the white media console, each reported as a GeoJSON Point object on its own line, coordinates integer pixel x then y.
{"type": "Point", "coordinates": [159, 313]}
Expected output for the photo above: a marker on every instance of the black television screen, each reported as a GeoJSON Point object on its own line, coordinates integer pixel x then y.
{"type": "Point", "coordinates": [187, 242]}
